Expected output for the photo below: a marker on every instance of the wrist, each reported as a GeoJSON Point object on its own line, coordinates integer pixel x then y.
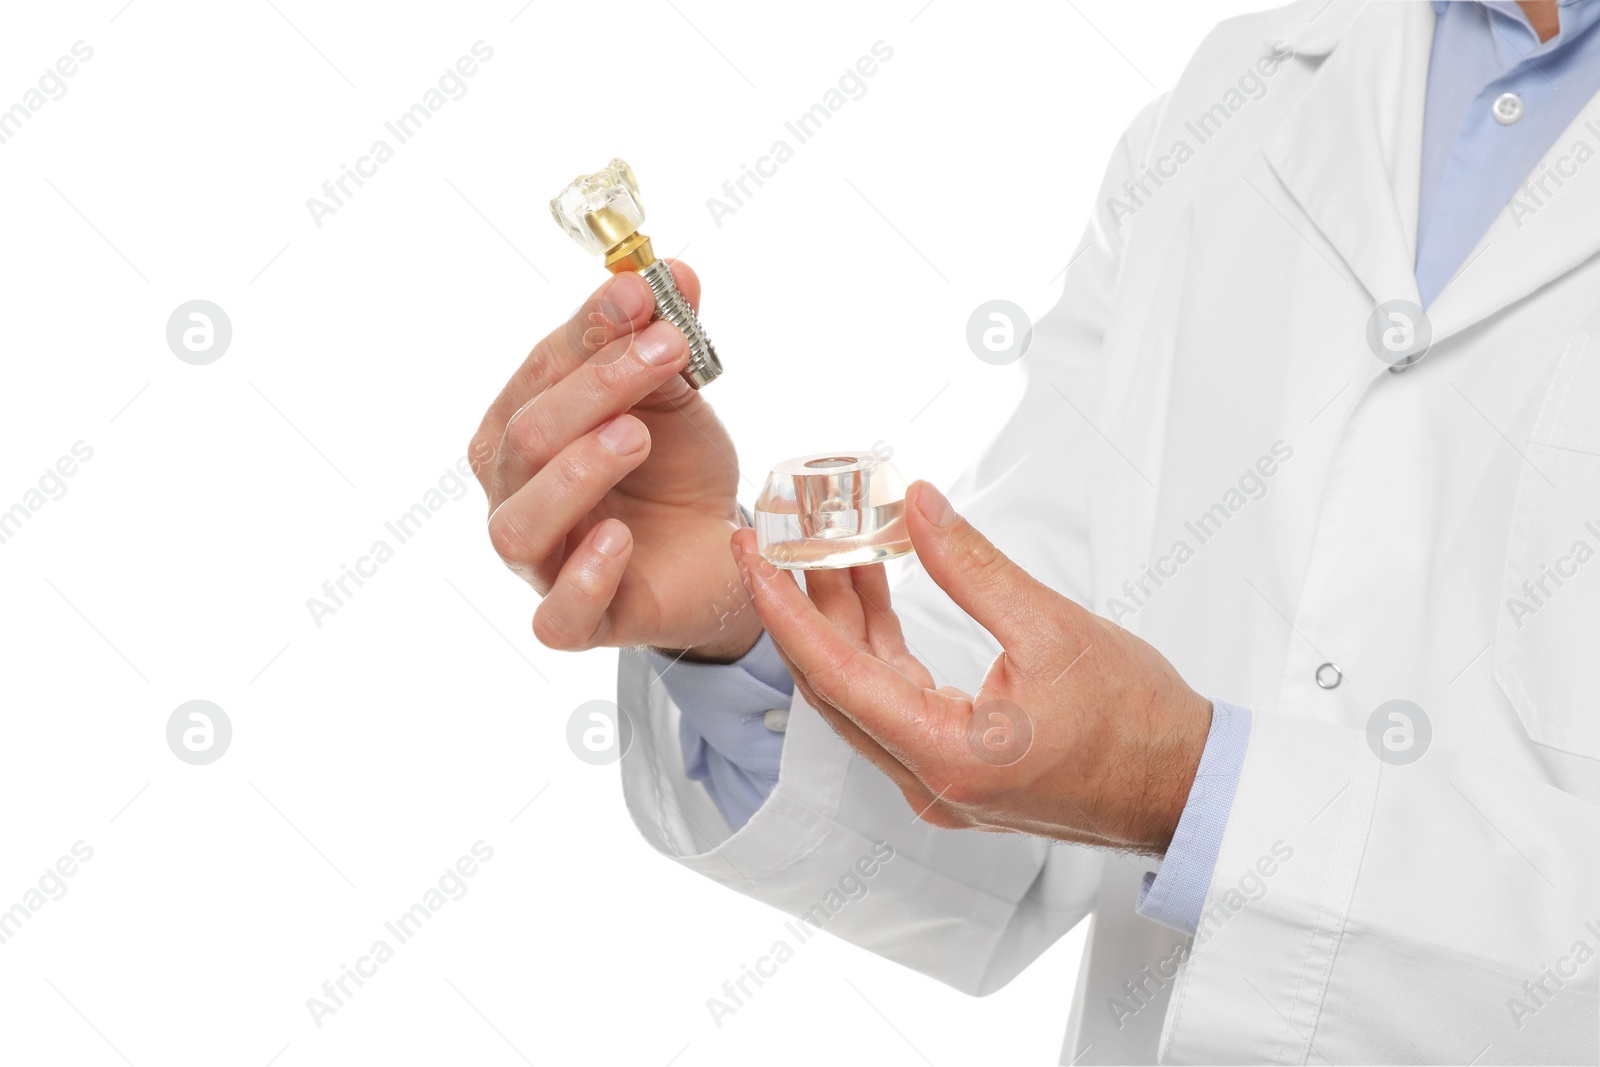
{"type": "Point", "coordinates": [725, 648]}
{"type": "Point", "coordinates": [738, 627]}
{"type": "Point", "coordinates": [1172, 776]}
{"type": "Point", "coordinates": [739, 631]}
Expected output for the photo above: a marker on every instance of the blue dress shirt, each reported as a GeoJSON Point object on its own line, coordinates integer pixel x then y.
{"type": "Point", "coordinates": [1497, 100]}
{"type": "Point", "coordinates": [1473, 163]}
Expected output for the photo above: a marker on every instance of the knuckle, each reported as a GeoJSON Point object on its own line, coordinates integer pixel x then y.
{"type": "Point", "coordinates": [525, 435]}
{"type": "Point", "coordinates": [541, 368]}
{"type": "Point", "coordinates": [571, 473]}
{"type": "Point", "coordinates": [611, 371]}
{"type": "Point", "coordinates": [984, 564]}
{"type": "Point", "coordinates": [601, 378]}
{"type": "Point", "coordinates": [551, 633]}
{"type": "Point", "coordinates": [480, 454]}
{"type": "Point", "coordinates": [474, 449]}
{"type": "Point", "coordinates": [509, 541]}
{"type": "Point", "coordinates": [935, 813]}
{"type": "Point", "coordinates": [964, 794]}
{"type": "Point", "coordinates": [542, 362]}
{"type": "Point", "coordinates": [983, 559]}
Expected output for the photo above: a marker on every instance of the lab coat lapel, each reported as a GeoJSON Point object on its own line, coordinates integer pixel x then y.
{"type": "Point", "coordinates": [1350, 152]}
{"type": "Point", "coordinates": [1546, 231]}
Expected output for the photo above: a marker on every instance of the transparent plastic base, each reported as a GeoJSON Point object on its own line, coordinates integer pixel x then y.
{"type": "Point", "coordinates": [832, 510]}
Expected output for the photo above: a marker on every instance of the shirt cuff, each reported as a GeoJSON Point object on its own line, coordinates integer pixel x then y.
{"type": "Point", "coordinates": [1175, 894]}
{"type": "Point", "coordinates": [727, 744]}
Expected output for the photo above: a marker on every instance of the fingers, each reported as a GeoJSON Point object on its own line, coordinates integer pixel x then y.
{"type": "Point", "coordinates": [530, 528]}
{"type": "Point", "coordinates": [909, 722]}
{"type": "Point", "coordinates": [572, 616]}
{"type": "Point", "coordinates": [884, 635]}
{"type": "Point", "coordinates": [1005, 599]}
{"type": "Point", "coordinates": [916, 794]}
{"type": "Point", "coordinates": [618, 377]}
{"type": "Point", "coordinates": [834, 594]}
{"type": "Point", "coordinates": [856, 600]}
{"type": "Point", "coordinates": [620, 306]}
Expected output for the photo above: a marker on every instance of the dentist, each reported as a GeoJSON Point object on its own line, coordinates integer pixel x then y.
{"type": "Point", "coordinates": [1263, 637]}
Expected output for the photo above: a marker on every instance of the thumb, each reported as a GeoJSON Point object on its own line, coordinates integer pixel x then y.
{"type": "Point", "coordinates": [981, 579]}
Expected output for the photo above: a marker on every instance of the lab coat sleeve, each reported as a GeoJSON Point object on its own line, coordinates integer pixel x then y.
{"type": "Point", "coordinates": [1444, 911]}
{"type": "Point", "coordinates": [968, 908]}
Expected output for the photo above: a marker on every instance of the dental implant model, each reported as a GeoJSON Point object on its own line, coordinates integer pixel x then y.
{"type": "Point", "coordinates": [602, 212]}
{"type": "Point", "coordinates": [833, 510]}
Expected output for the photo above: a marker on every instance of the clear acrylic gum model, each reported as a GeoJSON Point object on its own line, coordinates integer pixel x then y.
{"type": "Point", "coordinates": [832, 510]}
{"type": "Point", "coordinates": [602, 213]}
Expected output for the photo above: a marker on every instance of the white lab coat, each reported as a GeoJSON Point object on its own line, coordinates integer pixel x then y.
{"type": "Point", "coordinates": [1225, 317]}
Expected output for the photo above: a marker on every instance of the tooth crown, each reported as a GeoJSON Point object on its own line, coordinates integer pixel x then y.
{"type": "Point", "coordinates": [600, 210]}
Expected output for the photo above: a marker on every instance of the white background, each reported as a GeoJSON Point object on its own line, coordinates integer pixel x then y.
{"type": "Point", "coordinates": [371, 752]}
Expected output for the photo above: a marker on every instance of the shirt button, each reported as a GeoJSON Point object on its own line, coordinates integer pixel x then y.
{"type": "Point", "coordinates": [1329, 676]}
{"type": "Point", "coordinates": [1507, 108]}
{"type": "Point", "coordinates": [776, 720]}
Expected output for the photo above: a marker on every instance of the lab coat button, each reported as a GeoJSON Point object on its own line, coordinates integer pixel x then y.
{"type": "Point", "coordinates": [776, 720]}
{"type": "Point", "coordinates": [1329, 676]}
{"type": "Point", "coordinates": [1507, 108]}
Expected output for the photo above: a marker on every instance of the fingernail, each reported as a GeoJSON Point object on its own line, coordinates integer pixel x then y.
{"type": "Point", "coordinates": [934, 507]}
{"type": "Point", "coordinates": [623, 435]}
{"type": "Point", "coordinates": [611, 539]}
{"type": "Point", "coordinates": [629, 294]}
{"type": "Point", "coordinates": [659, 347]}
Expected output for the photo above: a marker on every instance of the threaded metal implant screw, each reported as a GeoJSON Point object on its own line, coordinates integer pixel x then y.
{"type": "Point", "coordinates": [704, 366]}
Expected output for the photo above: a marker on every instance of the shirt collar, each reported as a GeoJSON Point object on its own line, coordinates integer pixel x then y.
{"type": "Point", "coordinates": [1577, 16]}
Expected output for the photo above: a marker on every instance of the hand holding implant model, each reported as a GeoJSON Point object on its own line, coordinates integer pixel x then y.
{"type": "Point", "coordinates": [602, 212]}
{"type": "Point", "coordinates": [819, 512]}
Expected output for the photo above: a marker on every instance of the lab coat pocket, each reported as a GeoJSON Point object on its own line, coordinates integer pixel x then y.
{"type": "Point", "coordinates": [1548, 635]}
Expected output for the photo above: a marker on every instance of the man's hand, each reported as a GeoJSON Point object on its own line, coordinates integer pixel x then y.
{"type": "Point", "coordinates": [1080, 731]}
{"type": "Point", "coordinates": [611, 484]}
